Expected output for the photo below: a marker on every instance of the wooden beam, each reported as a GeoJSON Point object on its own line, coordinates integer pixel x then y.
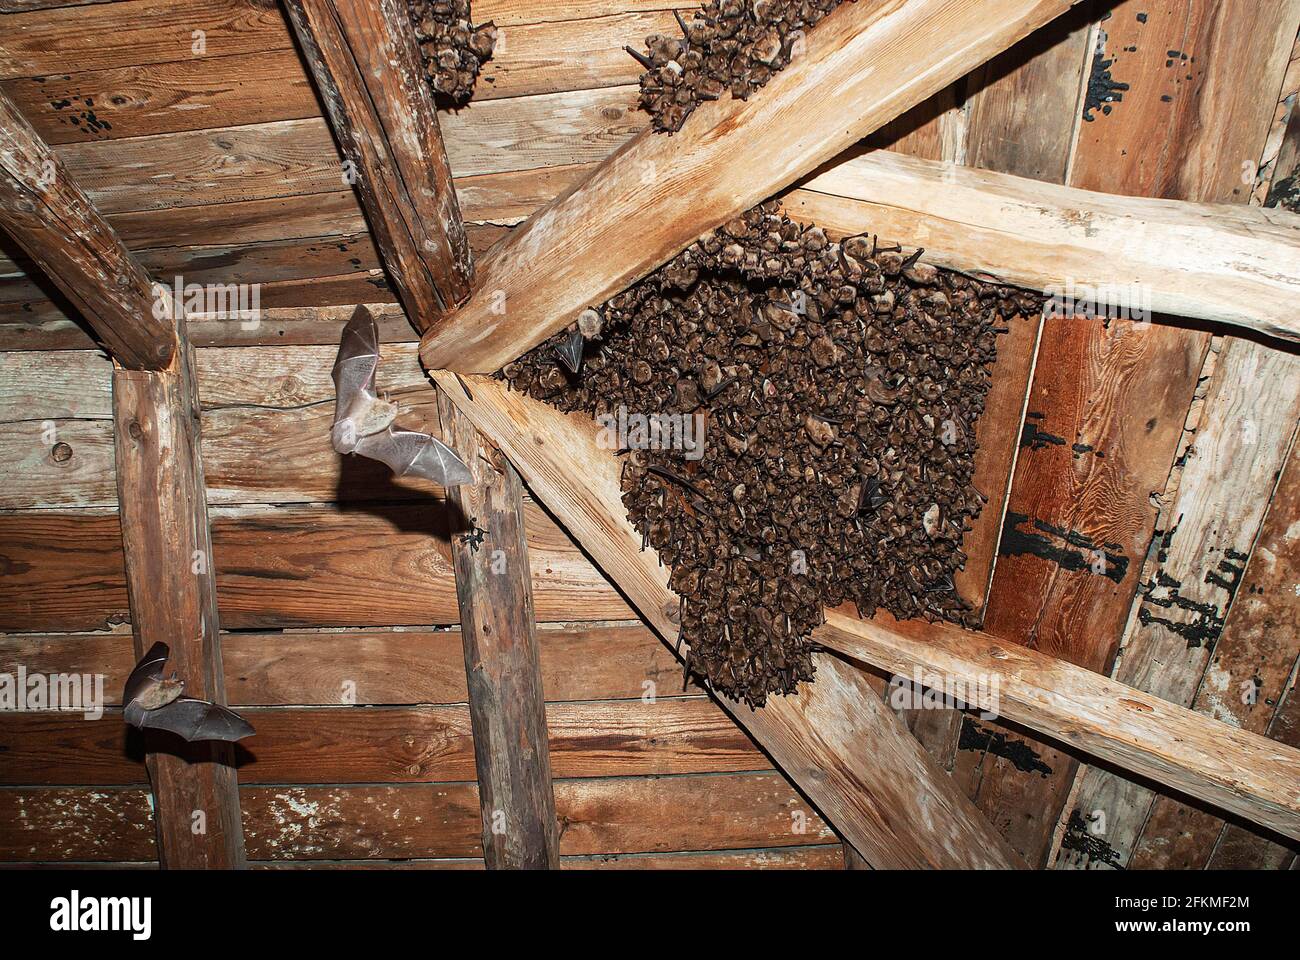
{"type": "Point", "coordinates": [816, 735]}
{"type": "Point", "coordinates": [1231, 769]}
{"type": "Point", "coordinates": [50, 217]}
{"type": "Point", "coordinates": [367, 66]}
{"type": "Point", "coordinates": [172, 589]}
{"type": "Point", "coordinates": [507, 709]}
{"type": "Point", "coordinates": [658, 193]}
{"type": "Point", "coordinates": [1226, 263]}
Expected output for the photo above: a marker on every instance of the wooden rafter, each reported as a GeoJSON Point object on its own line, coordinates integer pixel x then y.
{"type": "Point", "coordinates": [364, 57]}
{"type": "Point", "coordinates": [1229, 768]}
{"type": "Point", "coordinates": [816, 735]}
{"type": "Point", "coordinates": [53, 220]}
{"type": "Point", "coordinates": [864, 65]}
{"type": "Point", "coordinates": [163, 503]}
{"type": "Point", "coordinates": [1227, 263]}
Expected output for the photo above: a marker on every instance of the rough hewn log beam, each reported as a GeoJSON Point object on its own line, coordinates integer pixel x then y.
{"type": "Point", "coordinates": [507, 707]}
{"type": "Point", "coordinates": [835, 738]}
{"type": "Point", "coordinates": [1222, 262]}
{"type": "Point", "coordinates": [367, 66]}
{"type": "Point", "coordinates": [172, 590]}
{"type": "Point", "coordinates": [1229, 768]}
{"type": "Point", "coordinates": [864, 65]}
{"type": "Point", "coordinates": [50, 217]}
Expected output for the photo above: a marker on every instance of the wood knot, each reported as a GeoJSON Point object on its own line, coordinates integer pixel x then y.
{"type": "Point", "coordinates": [134, 430]}
{"type": "Point", "coordinates": [61, 453]}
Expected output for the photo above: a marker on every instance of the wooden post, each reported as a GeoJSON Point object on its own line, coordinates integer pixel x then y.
{"type": "Point", "coordinates": [364, 56]}
{"type": "Point", "coordinates": [50, 217]}
{"type": "Point", "coordinates": [160, 486]}
{"type": "Point", "coordinates": [172, 589]}
{"type": "Point", "coordinates": [865, 64]}
{"type": "Point", "coordinates": [507, 709]}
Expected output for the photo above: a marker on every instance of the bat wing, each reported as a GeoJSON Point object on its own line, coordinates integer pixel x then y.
{"type": "Point", "coordinates": [355, 366]}
{"type": "Point", "coordinates": [416, 454]}
{"type": "Point", "coordinates": [569, 350]}
{"type": "Point", "coordinates": [197, 720]}
{"type": "Point", "coordinates": [148, 673]}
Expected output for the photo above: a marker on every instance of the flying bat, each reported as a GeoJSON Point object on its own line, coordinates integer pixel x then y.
{"type": "Point", "coordinates": [152, 701]}
{"type": "Point", "coordinates": [363, 423]}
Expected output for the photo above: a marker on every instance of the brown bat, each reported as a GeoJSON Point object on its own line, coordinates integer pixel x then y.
{"type": "Point", "coordinates": [152, 701]}
{"type": "Point", "coordinates": [363, 423]}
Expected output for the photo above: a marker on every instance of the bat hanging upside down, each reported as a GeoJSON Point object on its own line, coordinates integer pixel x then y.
{"type": "Point", "coordinates": [363, 423]}
{"type": "Point", "coordinates": [154, 702]}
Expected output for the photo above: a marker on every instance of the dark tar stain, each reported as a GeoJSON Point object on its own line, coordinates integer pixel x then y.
{"type": "Point", "coordinates": [975, 736]}
{"type": "Point", "coordinates": [1068, 549]}
{"type": "Point", "coordinates": [1080, 839]}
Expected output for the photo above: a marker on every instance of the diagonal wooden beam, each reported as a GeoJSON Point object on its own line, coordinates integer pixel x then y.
{"type": "Point", "coordinates": [1226, 263]}
{"type": "Point", "coordinates": [863, 65]}
{"type": "Point", "coordinates": [366, 62]}
{"type": "Point", "coordinates": [502, 664]}
{"type": "Point", "coordinates": [53, 220]}
{"type": "Point", "coordinates": [1232, 769]}
{"type": "Point", "coordinates": [835, 738]}
{"type": "Point", "coordinates": [165, 533]}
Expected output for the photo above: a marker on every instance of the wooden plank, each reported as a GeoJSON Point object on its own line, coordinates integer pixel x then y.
{"type": "Point", "coordinates": [304, 567]}
{"type": "Point", "coordinates": [94, 37]}
{"type": "Point", "coordinates": [295, 157]}
{"type": "Point", "coordinates": [560, 458]}
{"type": "Point", "coordinates": [368, 70]}
{"type": "Point", "coordinates": [43, 824]}
{"type": "Point", "coordinates": [393, 744]}
{"type": "Point", "coordinates": [506, 697]}
{"type": "Point", "coordinates": [658, 194]}
{"type": "Point", "coordinates": [1242, 438]}
{"type": "Point", "coordinates": [1245, 674]}
{"type": "Point", "coordinates": [376, 667]}
{"type": "Point", "coordinates": [598, 816]}
{"type": "Point", "coordinates": [44, 210]}
{"type": "Point", "coordinates": [170, 581]}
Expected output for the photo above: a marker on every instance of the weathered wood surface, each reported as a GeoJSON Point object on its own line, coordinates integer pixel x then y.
{"type": "Point", "coordinates": [44, 210]}
{"type": "Point", "coordinates": [731, 815]}
{"type": "Point", "coordinates": [170, 581]}
{"type": "Point", "coordinates": [655, 196]}
{"type": "Point", "coordinates": [1227, 767]}
{"type": "Point", "coordinates": [392, 666]}
{"type": "Point", "coordinates": [559, 458]}
{"type": "Point", "coordinates": [1242, 436]}
{"type": "Point", "coordinates": [506, 697]}
{"type": "Point", "coordinates": [360, 566]}
{"type": "Point", "coordinates": [1231, 264]}
{"type": "Point", "coordinates": [366, 62]}
{"type": "Point", "coordinates": [611, 738]}
{"type": "Point", "coordinates": [1245, 674]}
{"type": "Point", "coordinates": [1212, 130]}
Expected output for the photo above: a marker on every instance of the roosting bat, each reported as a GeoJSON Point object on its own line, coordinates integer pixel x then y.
{"type": "Point", "coordinates": [363, 423]}
{"type": "Point", "coordinates": [154, 702]}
